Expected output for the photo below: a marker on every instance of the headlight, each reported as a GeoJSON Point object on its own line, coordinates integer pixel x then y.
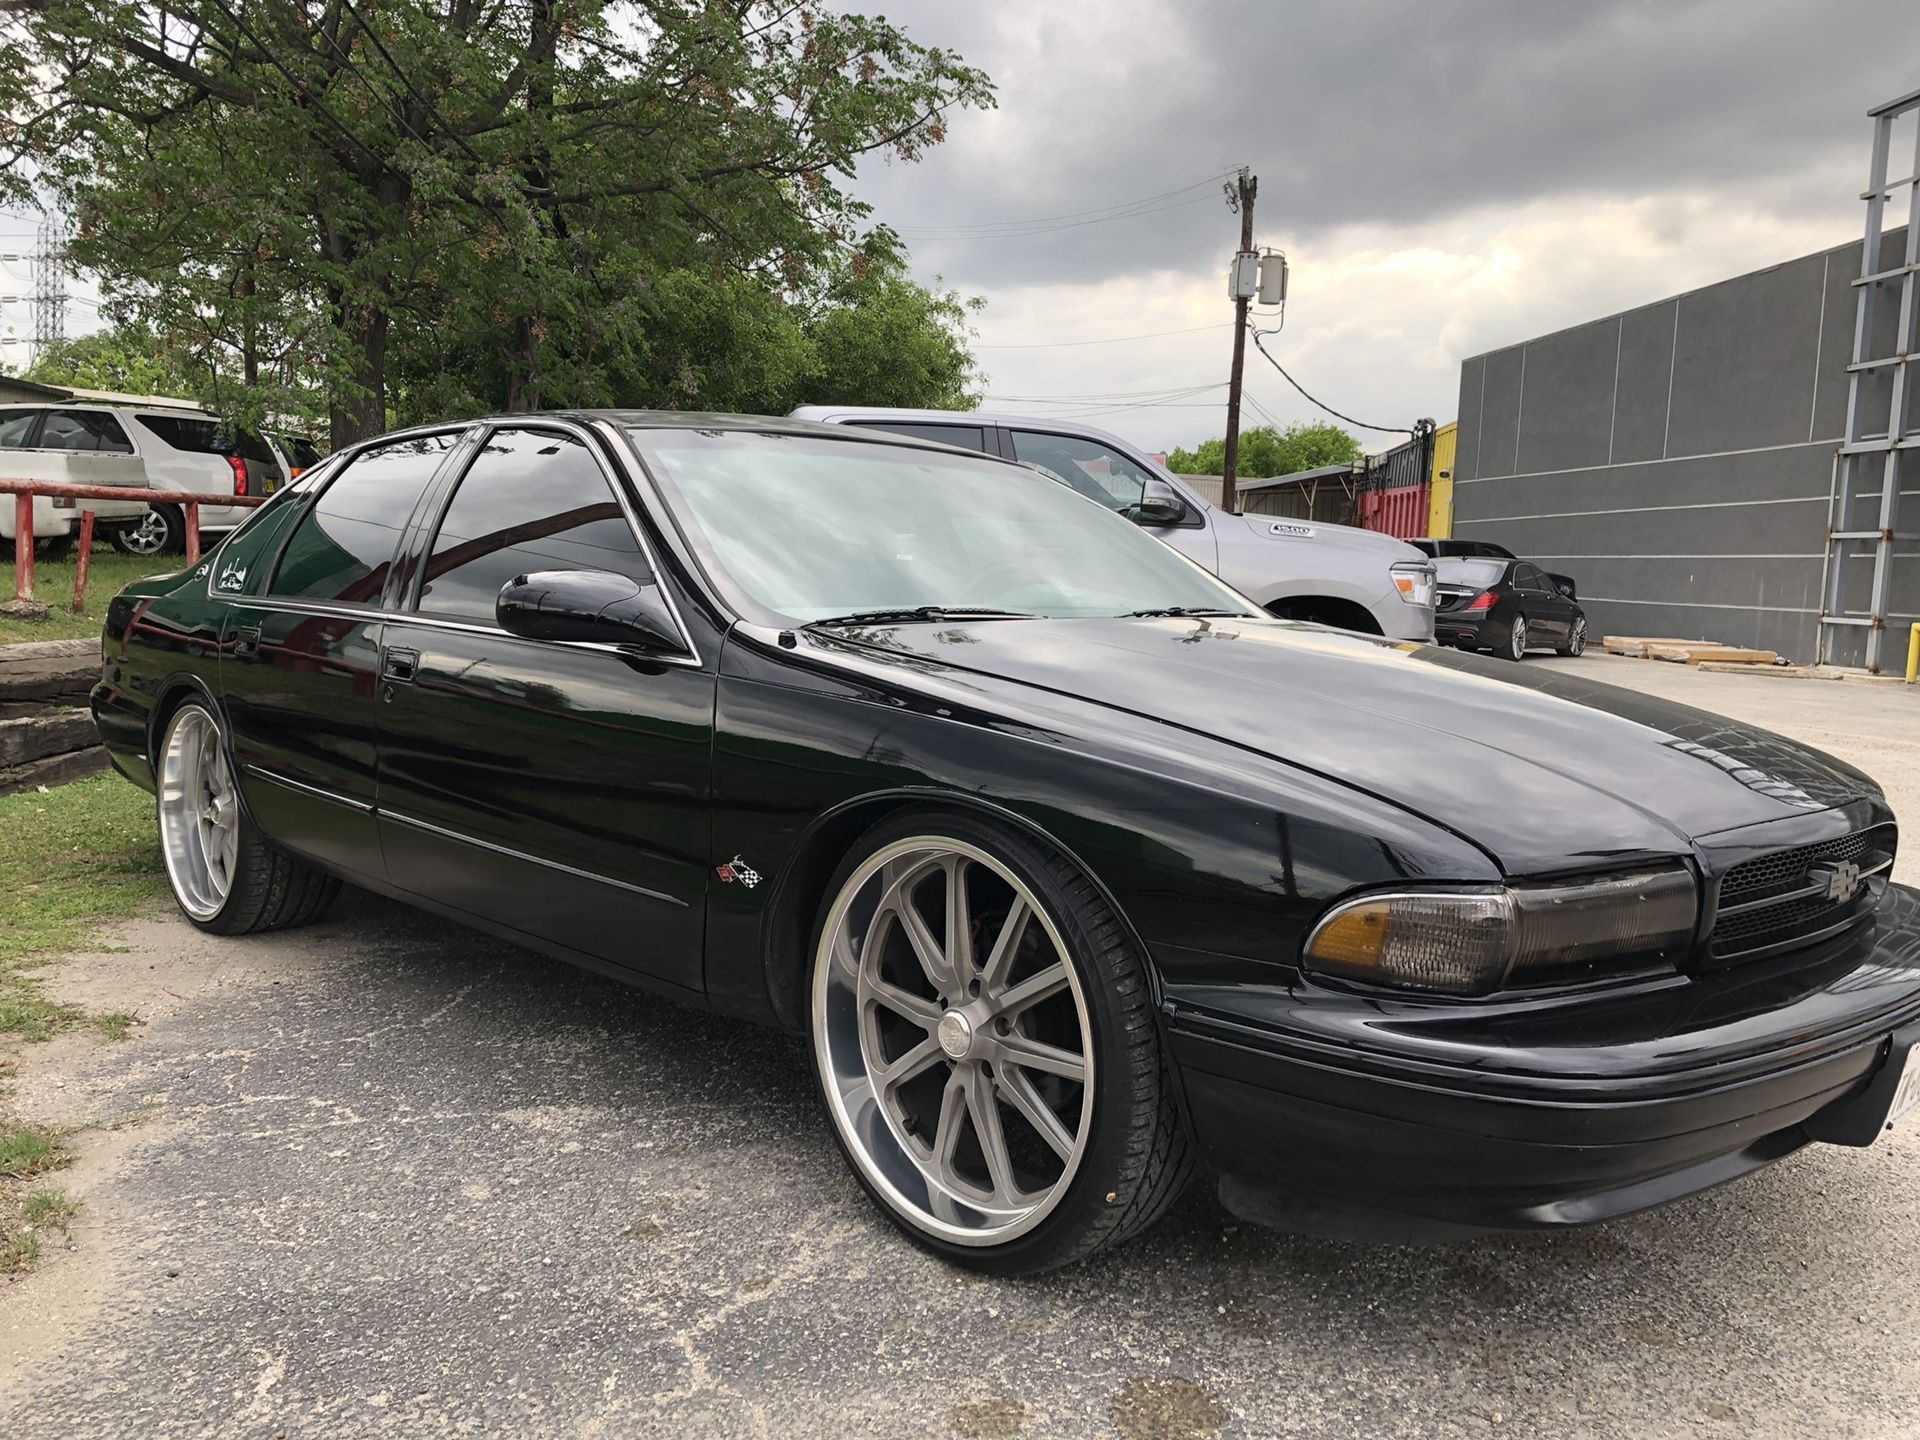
{"type": "Point", "coordinates": [1414, 581]}
{"type": "Point", "coordinates": [1470, 942]}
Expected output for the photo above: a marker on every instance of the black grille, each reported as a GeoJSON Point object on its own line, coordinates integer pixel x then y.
{"type": "Point", "coordinates": [1761, 879]}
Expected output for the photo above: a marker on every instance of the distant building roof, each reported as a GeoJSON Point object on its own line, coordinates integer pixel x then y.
{"type": "Point", "coordinates": [1300, 477]}
{"type": "Point", "coordinates": [15, 386]}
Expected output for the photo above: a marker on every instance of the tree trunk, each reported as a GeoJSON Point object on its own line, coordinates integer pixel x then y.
{"type": "Point", "coordinates": [360, 409]}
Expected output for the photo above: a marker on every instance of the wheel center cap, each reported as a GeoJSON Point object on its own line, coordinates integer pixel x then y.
{"type": "Point", "coordinates": [955, 1033]}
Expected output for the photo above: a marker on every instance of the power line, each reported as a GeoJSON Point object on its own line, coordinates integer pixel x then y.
{"type": "Point", "coordinates": [1070, 220]}
{"type": "Point", "coordinates": [936, 234]}
{"type": "Point", "coordinates": [1074, 214]}
{"type": "Point", "coordinates": [1109, 340]}
{"type": "Point", "coordinates": [1360, 424]}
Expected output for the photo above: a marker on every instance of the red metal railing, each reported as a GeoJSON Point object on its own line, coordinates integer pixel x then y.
{"type": "Point", "coordinates": [23, 492]}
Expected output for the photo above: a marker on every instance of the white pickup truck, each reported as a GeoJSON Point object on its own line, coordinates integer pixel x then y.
{"type": "Point", "coordinates": [1297, 569]}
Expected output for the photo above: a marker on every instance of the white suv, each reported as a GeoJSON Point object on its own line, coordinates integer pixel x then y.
{"type": "Point", "coordinates": [182, 447]}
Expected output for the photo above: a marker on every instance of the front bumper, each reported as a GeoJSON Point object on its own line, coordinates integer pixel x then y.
{"type": "Point", "coordinates": [1549, 1119]}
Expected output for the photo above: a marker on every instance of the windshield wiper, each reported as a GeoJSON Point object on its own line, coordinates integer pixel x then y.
{"type": "Point", "coordinates": [1181, 611]}
{"type": "Point", "coordinates": [920, 613]}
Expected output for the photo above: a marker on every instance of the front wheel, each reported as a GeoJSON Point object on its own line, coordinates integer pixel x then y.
{"type": "Point", "coordinates": [161, 531]}
{"type": "Point", "coordinates": [1576, 639]}
{"type": "Point", "coordinates": [225, 876]}
{"type": "Point", "coordinates": [984, 1039]}
{"type": "Point", "coordinates": [1517, 639]}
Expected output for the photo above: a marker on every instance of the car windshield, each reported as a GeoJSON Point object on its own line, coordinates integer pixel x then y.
{"type": "Point", "coordinates": [1452, 570]}
{"type": "Point", "coordinates": [809, 527]}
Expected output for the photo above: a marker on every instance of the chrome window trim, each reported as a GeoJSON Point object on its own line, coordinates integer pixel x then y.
{"type": "Point", "coordinates": [411, 614]}
{"type": "Point", "coordinates": [512, 854]}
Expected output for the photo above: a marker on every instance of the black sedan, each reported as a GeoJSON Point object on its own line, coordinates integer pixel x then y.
{"type": "Point", "coordinates": [1074, 870]}
{"type": "Point", "coordinates": [1506, 606]}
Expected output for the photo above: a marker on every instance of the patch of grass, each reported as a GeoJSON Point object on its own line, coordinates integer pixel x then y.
{"type": "Point", "coordinates": [20, 1252]}
{"type": "Point", "coordinates": [53, 585]}
{"type": "Point", "coordinates": [48, 1208]}
{"type": "Point", "coordinates": [70, 858]}
{"type": "Point", "coordinates": [27, 1152]}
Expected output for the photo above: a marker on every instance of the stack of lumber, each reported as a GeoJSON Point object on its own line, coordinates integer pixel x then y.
{"type": "Point", "coordinates": [1685, 652]}
{"type": "Point", "coordinates": [46, 733]}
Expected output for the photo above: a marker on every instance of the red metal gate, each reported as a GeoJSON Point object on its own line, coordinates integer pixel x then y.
{"type": "Point", "coordinates": [1400, 512]}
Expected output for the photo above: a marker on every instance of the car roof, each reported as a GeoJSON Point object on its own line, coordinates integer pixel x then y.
{"type": "Point", "coordinates": [964, 417]}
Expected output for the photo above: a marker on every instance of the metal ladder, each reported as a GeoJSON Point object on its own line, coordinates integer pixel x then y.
{"type": "Point", "coordinates": [1862, 452]}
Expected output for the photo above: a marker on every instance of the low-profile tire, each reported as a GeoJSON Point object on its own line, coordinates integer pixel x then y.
{"type": "Point", "coordinates": [1516, 646]}
{"type": "Point", "coordinates": [163, 531]}
{"type": "Point", "coordinates": [225, 876]}
{"type": "Point", "coordinates": [1576, 641]}
{"type": "Point", "coordinates": [911, 1048]}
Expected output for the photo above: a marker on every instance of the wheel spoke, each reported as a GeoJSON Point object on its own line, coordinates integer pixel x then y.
{"type": "Point", "coordinates": [946, 1133]}
{"type": "Point", "coordinates": [1019, 1093]}
{"type": "Point", "coordinates": [923, 1012]}
{"type": "Point", "coordinates": [1018, 1049]}
{"type": "Point", "coordinates": [926, 949]}
{"type": "Point", "coordinates": [1033, 989]}
{"type": "Point", "coordinates": [889, 1077]}
{"type": "Point", "coordinates": [959, 926]}
{"type": "Point", "coordinates": [1005, 945]}
{"type": "Point", "coordinates": [993, 1139]}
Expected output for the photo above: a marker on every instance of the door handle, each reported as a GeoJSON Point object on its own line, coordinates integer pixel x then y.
{"type": "Point", "coordinates": [399, 666]}
{"type": "Point", "coordinates": [246, 643]}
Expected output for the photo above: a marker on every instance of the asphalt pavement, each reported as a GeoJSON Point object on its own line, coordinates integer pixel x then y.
{"type": "Point", "coordinates": [402, 1179]}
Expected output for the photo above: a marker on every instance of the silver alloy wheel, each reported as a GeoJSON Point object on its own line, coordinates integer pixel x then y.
{"type": "Point", "coordinates": [1578, 644]}
{"type": "Point", "coordinates": [199, 813]}
{"type": "Point", "coordinates": [958, 1066]}
{"type": "Point", "coordinates": [1517, 642]}
{"type": "Point", "coordinates": [149, 537]}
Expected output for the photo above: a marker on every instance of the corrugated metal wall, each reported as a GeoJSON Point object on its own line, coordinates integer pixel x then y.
{"type": "Point", "coordinates": [1676, 459]}
{"type": "Point", "coordinates": [1400, 512]}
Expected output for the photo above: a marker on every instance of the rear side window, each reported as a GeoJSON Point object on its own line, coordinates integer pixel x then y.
{"type": "Point", "coordinates": [971, 437]}
{"type": "Point", "coordinates": [532, 500]}
{"type": "Point", "coordinates": [205, 435]}
{"type": "Point", "coordinates": [15, 427]}
{"type": "Point", "coordinates": [346, 542]}
{"type": "Point", "coordinates": [84, 430]}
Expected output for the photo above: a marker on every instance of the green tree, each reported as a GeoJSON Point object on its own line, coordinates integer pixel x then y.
{"type": "Point", "coordinates": [128, 358]}
{"type": "Point", "coordinates": [544, 191]}
{"type": "Point", "coordinates": [1266, 451]}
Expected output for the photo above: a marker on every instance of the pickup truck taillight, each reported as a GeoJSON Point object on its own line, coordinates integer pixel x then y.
{"type": "Point", "coordinates": [239, 474]}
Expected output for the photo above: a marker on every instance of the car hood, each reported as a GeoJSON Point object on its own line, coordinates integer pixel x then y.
{"type": "Point", "coordinates": [1371, 543]}
{"type": "Point", "coordinates": [1543, 769]}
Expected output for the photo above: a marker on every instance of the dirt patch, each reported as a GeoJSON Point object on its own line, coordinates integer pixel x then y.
{"type": "Point", "coordinates": [1166, 1410]}
{"type": "Point", "coordinates": [992, 1417]}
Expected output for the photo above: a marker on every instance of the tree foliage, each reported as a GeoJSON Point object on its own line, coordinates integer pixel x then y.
{"type": "Point", "coordinates": [127, 358]}
{"type": "Point", "coordinates": [1266, 451]}
{"type": "Point", "coordinates": [435, 206]}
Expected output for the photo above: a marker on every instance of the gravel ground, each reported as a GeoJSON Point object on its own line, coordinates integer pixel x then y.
{"type": "Point", "coordinates": [401, 1179]}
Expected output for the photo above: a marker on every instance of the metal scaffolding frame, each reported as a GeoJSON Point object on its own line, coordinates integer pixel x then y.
{"type": "Point", "coordinates": [1866, 454]}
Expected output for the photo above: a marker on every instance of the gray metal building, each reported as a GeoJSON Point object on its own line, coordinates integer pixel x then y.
{"type": "Point", "coordinates": [1677, 459]}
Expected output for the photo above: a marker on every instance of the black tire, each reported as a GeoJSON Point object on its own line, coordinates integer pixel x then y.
{"type": "Point", "coordinates": [55, 548]}
{"type": "Point", "coordinates": [1516, 646]}
{"type": "Point", "coordinates": [164, 533]}
{"type": "Point", "coordinates": [1137, 1158]}
{"type": "Point", "coordinates": [1576, 642]}
{"type": "Point", "coordinates": [269, 889]}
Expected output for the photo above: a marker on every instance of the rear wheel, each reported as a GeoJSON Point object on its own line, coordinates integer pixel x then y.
{"type": "Point", "coordinates": [161, 531]}
{"type": "Point", "coordinates": [1576, 639]}
{"type": "Point", "coordinates": [984, 1039]}
{"type": "Point", "coordinates": [1517, 639]}
{"type": "Point", "coordinates": [225, 877]}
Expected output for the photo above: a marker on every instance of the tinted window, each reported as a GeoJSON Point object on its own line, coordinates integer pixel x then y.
{"type": "Point", "coordinates": [1481, 574]}
{"type": "Point", "coordinates": [1526, 577]}
{"type": "Point", "coordinates": [343, 547]}
{"type": "Point", "coordinates": [15, 427]}
{"type": "Point", "coordinates": [970, 436]}
{"type": "Point", "coordinates": [205, 435]}
{"type": "Point", "coordinates": [84, 430]}
{"type": "Point", "coordinates": [1088, 466]}
{"type": "Point", "coordinates": [531, 500]}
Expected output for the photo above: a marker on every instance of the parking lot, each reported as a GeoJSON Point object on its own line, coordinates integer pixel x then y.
{"type": "Point", "coordinates": [387, 1176]}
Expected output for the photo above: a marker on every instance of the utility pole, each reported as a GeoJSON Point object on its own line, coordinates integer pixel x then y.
{"type": "Point", "coordinates": [49, 288]}
{"type": "Point", "coordinates": [1240, 193]}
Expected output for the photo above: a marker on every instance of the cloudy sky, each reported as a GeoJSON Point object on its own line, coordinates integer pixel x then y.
{"type": "Point", "coordinates": [1446, 176]}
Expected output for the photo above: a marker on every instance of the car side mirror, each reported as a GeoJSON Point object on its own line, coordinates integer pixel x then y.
{"type": "Point", "coordinates": [1160, 504]}
{"type": "Point", "coordinates": [1564, 584]}
{"type": "Point", "coordinates": [588, 605]}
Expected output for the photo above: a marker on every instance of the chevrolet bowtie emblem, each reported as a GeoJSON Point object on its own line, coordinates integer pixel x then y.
{"type": "Point", "coordinates": [1842, 880]}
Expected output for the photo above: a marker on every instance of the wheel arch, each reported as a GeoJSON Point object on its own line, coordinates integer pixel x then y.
{"type": "Point", "coordinates": [175, 691]}
{"type": "Point", "coordinates": [1336, 610]}
{"type": "Point", "coordinates": [787, 928]}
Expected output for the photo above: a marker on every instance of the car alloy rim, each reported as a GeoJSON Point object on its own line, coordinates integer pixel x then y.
{"type": "Point", "coordinates": [1519, 636]}
{"type": "Point", "coordinates": [953, 1041]}
{"type": "Point", "coordinates": [149, 537]}
{"type": "Point", "coordinates": [1579, 636]}
{"type": "Point", "coordinates": [199, 813]}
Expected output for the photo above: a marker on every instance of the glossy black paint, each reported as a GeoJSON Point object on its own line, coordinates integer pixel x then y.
{"type": "Point", "coordinates": [1223, 781]}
